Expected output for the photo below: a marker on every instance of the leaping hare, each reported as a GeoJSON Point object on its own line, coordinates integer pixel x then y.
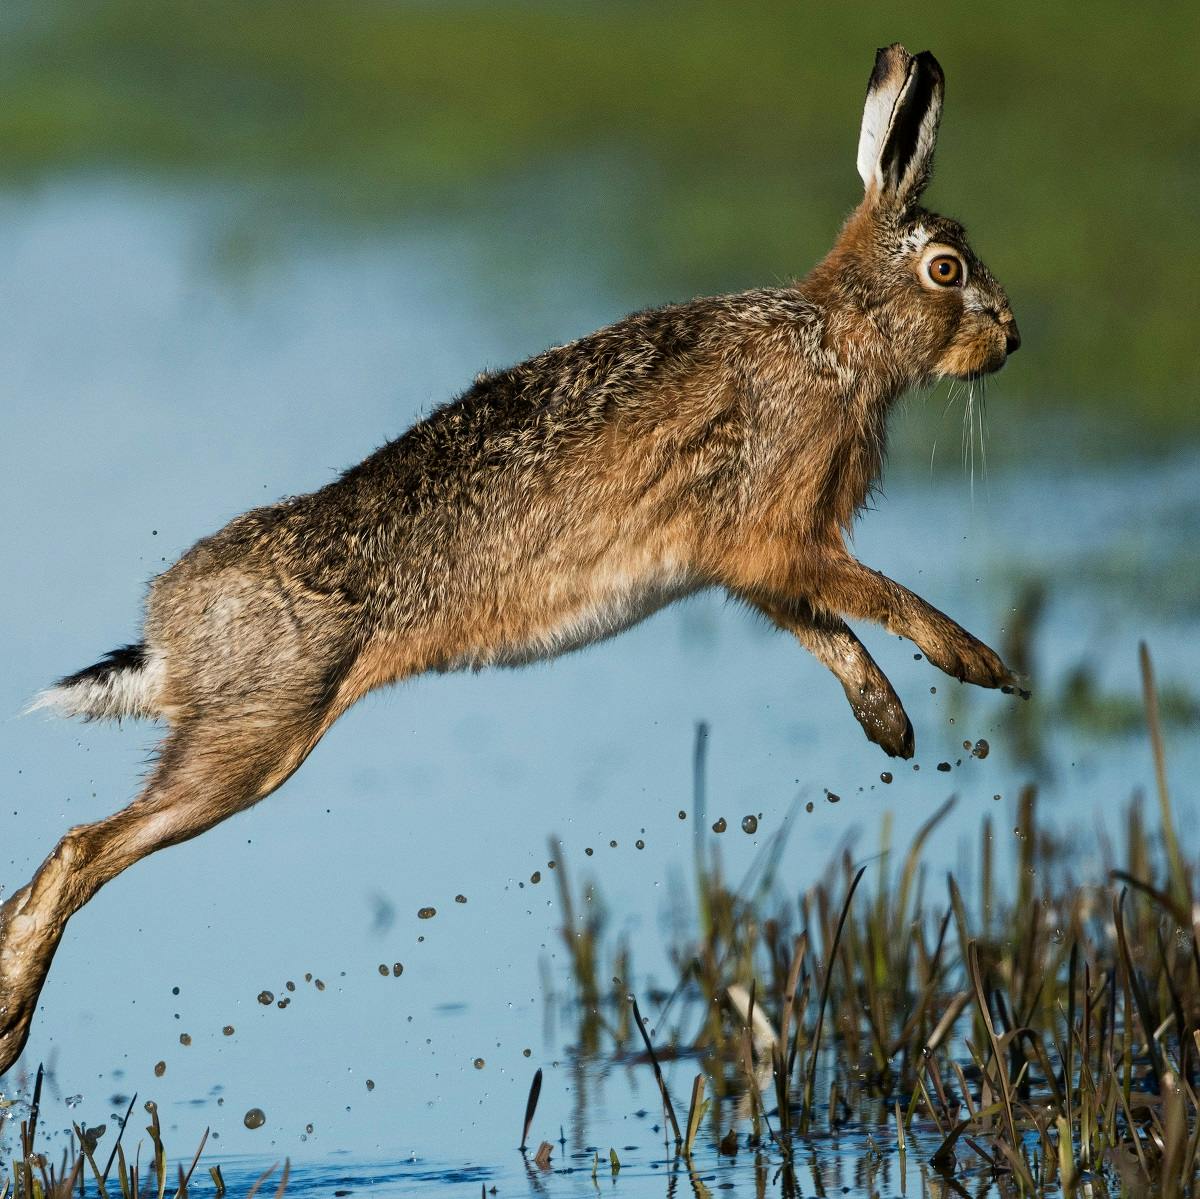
{"type": "Point", "coordinates": [726, 442]}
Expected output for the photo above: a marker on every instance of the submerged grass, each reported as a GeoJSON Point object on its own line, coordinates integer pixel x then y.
{"type": "Point", "coordinates": [1045, 1033]}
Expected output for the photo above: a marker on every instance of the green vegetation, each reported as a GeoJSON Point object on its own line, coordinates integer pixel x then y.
{"type": "Point", "coordinates": [1042, 1032]}
{"type": "Point", "coordinates": [692, 146]}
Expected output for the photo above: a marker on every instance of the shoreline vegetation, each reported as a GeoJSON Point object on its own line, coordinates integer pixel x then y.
{"type": "Point", "coordinates": [1041, 1032]}
{"type": "Point", "coordinates": [688, 153]}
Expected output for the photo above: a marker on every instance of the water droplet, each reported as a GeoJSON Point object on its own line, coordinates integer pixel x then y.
{"type": "Point", "coordinates": [750, 824]}
{"type": "Point", "coordinates": [479, 1063]}
{"type": "Point", "coordinates": [886, 777]}
{"type": "Point", "coordinates": [266, 998]}
{"type": "Point", "coordinates": [254, 1118]}
{"type": "Point", "coordinates": [426, 913]}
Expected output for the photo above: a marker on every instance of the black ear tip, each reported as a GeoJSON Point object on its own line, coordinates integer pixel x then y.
{"type": "Point", "coordinates": [930, 66]}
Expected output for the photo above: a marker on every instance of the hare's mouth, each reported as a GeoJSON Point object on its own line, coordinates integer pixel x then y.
{"type": "Point", "coordinates": [983, 353]}
{"type": "Point", "coordinates": [988, 368]}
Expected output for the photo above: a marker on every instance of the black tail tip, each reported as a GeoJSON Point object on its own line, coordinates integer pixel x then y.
{"type": "Point", "coordinates": [128, 657]}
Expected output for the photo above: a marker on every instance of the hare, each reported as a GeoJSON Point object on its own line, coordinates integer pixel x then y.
{"type": "Point", "coordinates": [726, 442]}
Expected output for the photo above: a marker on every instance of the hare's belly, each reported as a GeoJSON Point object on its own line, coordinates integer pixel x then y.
{"type": "Point", "coordinates": [573, 613]}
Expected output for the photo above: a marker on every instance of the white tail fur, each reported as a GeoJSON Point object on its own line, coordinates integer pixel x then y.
{"type": "Point", "coordinates": [123, 684]}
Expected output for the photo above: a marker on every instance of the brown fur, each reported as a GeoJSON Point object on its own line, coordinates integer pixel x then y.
{"type": "Point", "coordinates": [727, 442]}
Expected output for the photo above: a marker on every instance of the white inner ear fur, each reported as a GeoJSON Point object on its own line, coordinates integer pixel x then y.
{"type": "Point", "coordinates": [877, 119]}
{"type": "Point", "coordinates": [878, 111]}
{"type": "Point", "coordinates": [932, 250]}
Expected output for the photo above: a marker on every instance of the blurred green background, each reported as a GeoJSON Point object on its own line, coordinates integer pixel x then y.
{"type": "Point", "coordinates": [692, 147]}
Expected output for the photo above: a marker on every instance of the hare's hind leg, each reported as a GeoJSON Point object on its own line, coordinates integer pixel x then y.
{"type": "Point", "coordinates": [874, 702]}
{"type": "Point", "coordinates": [209, 768]}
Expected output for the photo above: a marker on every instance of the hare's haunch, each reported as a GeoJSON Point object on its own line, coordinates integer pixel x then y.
{"type": "Point", "coordinates": [726, 443]}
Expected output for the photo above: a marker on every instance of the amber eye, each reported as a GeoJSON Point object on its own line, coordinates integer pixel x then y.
{"type": "Point", "coordinates": [945, 270]}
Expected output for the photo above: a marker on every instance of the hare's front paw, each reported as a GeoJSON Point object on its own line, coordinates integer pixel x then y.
{"type": "Point", "coordinates": [882, 716]}
{"type": "Point", "coordinates": [970, 661]}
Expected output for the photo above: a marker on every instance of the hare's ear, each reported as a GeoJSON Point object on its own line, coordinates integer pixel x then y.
{"type": "Point", "coordinates": [900, 123]}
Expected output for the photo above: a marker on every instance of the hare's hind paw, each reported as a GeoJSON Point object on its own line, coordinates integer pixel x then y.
{"type": "Point", "coordinates": [13, 1035]}
{"type": "Point", "coordinates": [23, 968]}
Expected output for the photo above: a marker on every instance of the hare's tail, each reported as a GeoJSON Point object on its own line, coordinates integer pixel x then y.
{"type": "Point", "coordinates": [124, 683]}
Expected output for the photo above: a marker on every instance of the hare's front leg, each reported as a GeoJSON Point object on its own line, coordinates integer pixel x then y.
{"type": "Point", "coordinates": [844, 584]}
{"type": "Point", "coordinates": [874, 702]}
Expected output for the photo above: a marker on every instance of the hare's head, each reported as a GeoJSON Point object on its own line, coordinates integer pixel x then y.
{"type": "Point", "coordinates": [911, 270]}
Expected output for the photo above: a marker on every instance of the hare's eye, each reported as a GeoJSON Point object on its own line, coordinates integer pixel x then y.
{"type": "Point", "coordinates": [945, 270]}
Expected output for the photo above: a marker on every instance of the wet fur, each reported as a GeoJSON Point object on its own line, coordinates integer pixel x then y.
{"type": "Point", "coordinates": [727, 442]}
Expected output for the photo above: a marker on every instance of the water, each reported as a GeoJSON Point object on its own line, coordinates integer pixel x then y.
{"type": "Point", "coordinates": [152, 390]}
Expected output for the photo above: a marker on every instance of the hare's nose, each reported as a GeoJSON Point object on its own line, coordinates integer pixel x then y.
{"type": "Point", "coordinates": [1012, 337]}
